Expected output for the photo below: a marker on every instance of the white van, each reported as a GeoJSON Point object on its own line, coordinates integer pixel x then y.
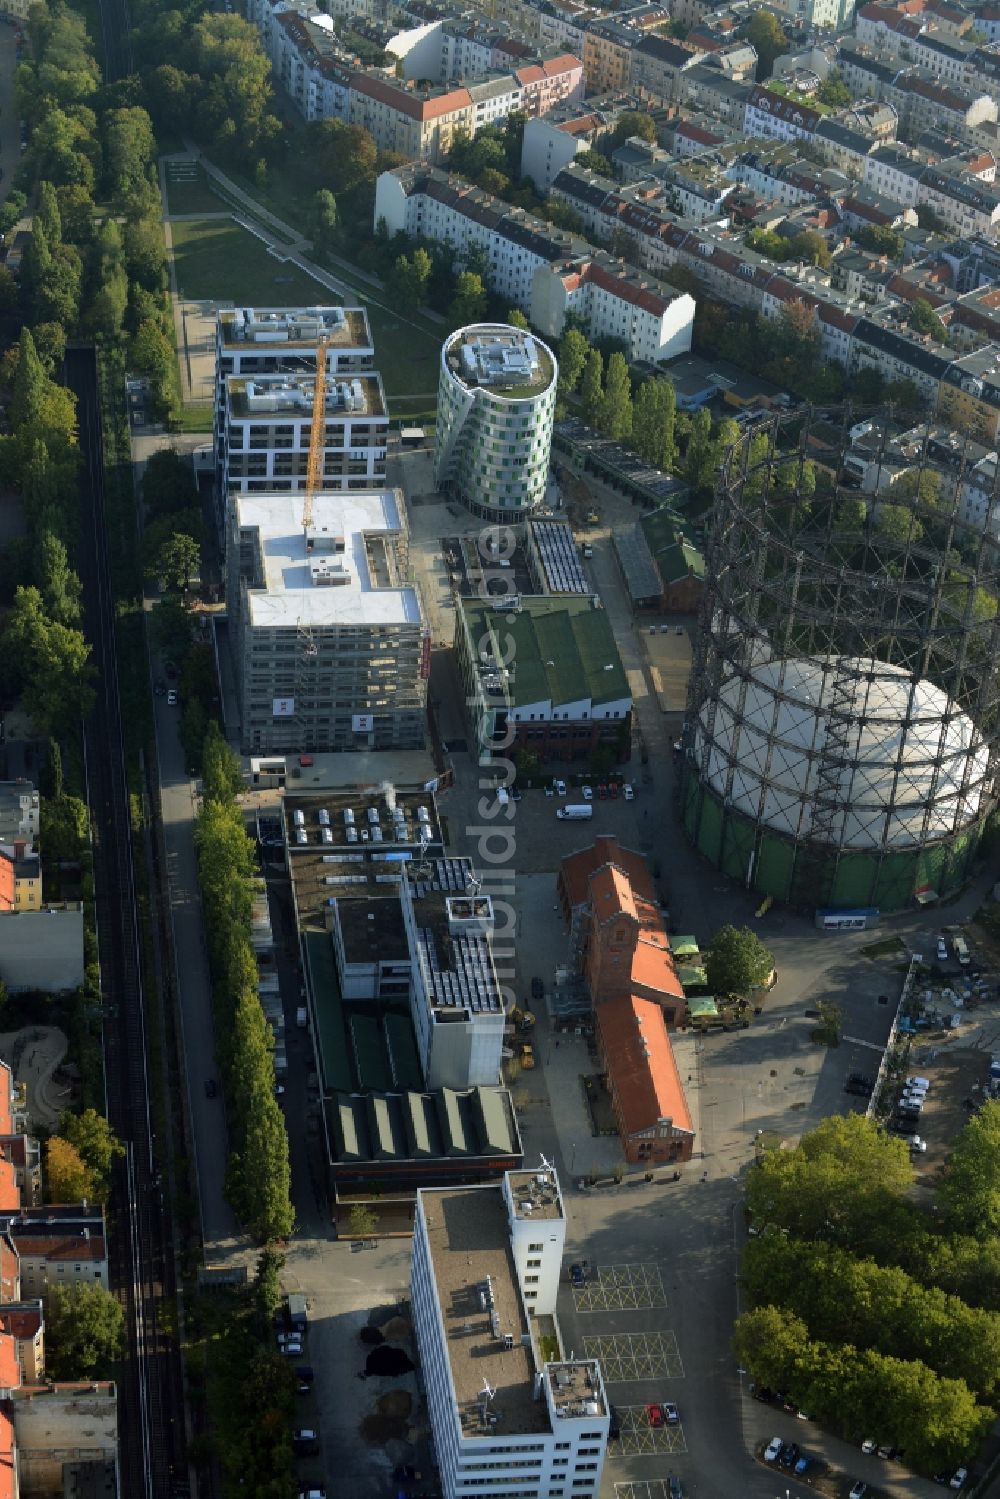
{"type": "Point", "coordinates": [576, 812]}
{"type": "Point", "coordinates": [962, 951]}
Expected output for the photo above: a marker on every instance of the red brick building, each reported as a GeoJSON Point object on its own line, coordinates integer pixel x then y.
{"type": "Point", "coordinates": [621, 946]}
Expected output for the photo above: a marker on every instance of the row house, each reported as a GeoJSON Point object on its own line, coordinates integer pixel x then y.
{"type": "Point", "coordinates": [658, 63]}
{"type": "Point", "coordinates": [532, 264]}
{"type": "Point", "coordinates": [781, 175]}
{"type": "Point", "coordinates": [547, 84]}
{"type": "Point", "coordinates": [420, 124]}
{"type": "Point", "coordinates": [607, 54]}
{"type": "Point", "coordinates": [774, 117]}
{"type": "Point", "coordinates": [969, 394]}
{"type": "Point", "coordinates": [967, 207]}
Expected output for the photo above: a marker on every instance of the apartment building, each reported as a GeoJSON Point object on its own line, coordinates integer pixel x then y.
{"type": "Point", "coordinates": [20, 811]}
{"type": "Point", "coordinates": [607, 54]}
{"type": "Point", "coordinates": [328, 637]}
{"type": "Point", "coordinates": [506, 1416]}
{"type": "Point", "coordinates": [549, 144]}
{"type": "Point", "coordinates": [653, 320]}
{"type": "Point", "coordinates": [57, 1245]}
{"type": "Point", "coordinates": [20, 877]}
{"type": "Point", "coordinates": [566, 693]}
{"type": "Point", "coordinates": [496, 400]}
{"type": "Point", "coordinates": [544, 271]}
{"type": "Point", "coordinates": [657, 63]}
{"type": "Point", "coordinates": [969, 395]}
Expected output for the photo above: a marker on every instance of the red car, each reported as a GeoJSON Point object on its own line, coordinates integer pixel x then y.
{"type": "Point", "coordinates": [655, 1415]}
{"type": "Point", "coordinates": [602, 792]}
{"type": "Point", "coordinates": [613, 789]}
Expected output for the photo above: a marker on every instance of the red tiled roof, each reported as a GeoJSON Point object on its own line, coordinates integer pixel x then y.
{"type": "Point", "coordinates": [577, 869]}
{"type": "Point", "coordinates": [697, 133]}
{"type": "Point", "coordinates": [10, 1194]}
{"type": "Point", "coordinates": [639, 296]}
{"type": "Point", "coordinates": [6, 1098]}
{"type": "Point", "coordinates": [531, 74]}
{"type": "Point", "coordinates": [23, 1323]}
{"type": "Point", "coordinates": [564, 63]}
{"type": "Point", "coordinates": [44, 1246]}
{"type": "Point", "coordinates": [642, 1070]}
{"type": "Point", "coordinates": [408, 103]}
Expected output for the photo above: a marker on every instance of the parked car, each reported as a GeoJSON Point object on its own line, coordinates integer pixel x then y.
{"type": "Point", "coordinates": [291, 1347]}
{"type": "Point", "coordinates": [923, 1083]}
{"type": "Point", "coordinates": [172, 698]}
{"type": "Point", "coordinates": [916, 1143]}
{"type": "Point", "coordinates": [676, 1490]}
{"type": "Point", "coordinates": [305, 1378]}
{"type": "Point", "coordinates": [958, 1478]}
{"type": "Point", "coordinates": [654, 1415]}
{"type": "Point", "coordinates": [860, 1084]}
{"type": "Point", "coordinates": [560, 787]}
{"type": "Point", "coordinates": [671, 1414]}
{"type": "Point", "coordinates": [211, 1087]}
{"type": "Point", "coordinates": [790, 1455]}
{"type": "Point", "coordinates": [628, 791]}
{"type": "Point", "coordinates": [773, 1450]}
{"type": "Point", "coordinates": [578, 1275]}
{"type": "Point", "coordinates": [537, 988]}
{"type": "Point", "coordinates": [868, 1446]}
{"type": "Point", "coordinates": [804, 1463]}
{"type": "Point", "coordinates": [614, 1423]}
{"type": "Point", "coordinates": [942, 950]}
{"type": "Point", "coordinates": [587, 792]}
{"type": "Point", "coordinates": [858, 1491]}
{"type": "Point", "coordinates": [305, 1442]}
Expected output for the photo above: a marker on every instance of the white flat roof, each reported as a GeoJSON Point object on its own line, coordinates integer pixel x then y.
{"type": "Point", "coordinates": [291, 597]}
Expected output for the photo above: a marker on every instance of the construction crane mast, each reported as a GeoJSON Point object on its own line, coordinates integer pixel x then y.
{"type": "Point", "coordinates": [314, 468]}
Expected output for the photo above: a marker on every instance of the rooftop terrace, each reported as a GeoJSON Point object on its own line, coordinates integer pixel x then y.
{"type": "Point", "coordinates": [505, 360]}
{"type": "Point", "coordinates": [284, 395]}
{"type": "Point", "coordinates": [341, 327]}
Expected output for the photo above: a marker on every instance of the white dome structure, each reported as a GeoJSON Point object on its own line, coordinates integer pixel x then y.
{"type": "Point", "coordinates": [889, 760]}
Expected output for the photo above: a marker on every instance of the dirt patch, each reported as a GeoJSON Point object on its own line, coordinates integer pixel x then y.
{"type": "Point", "coordinates": [378, 1430]}
{"type": "Point", "coordinates": [396, 1403]}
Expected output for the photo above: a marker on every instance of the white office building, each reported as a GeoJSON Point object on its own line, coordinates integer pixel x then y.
{"type": "Point", "coordinates": [486, 1265]}
{"type": "Point", "coordinates": [496, 402]}
{"type": "Point", "coordinates": [327, 633]}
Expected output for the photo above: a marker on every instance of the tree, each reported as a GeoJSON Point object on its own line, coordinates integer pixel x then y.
{"type": "Point", "coordinates": [768, 40]}
{"type": "Point", "coordinates": [67, 1177]}
{"type": "Point", "coordinates": [336, 156]}
{"type": "Point", "coordinates": [362, 1221]}
{"type": "Point", "coordinates": [833, 91]}
{"type": "Point", "coordinates": [737, 961]}
{"type": "Point", "coordinates": [845, 1183]}
{"type": "Point", "coordinates": [323, 219]}
{"type": "Point", "coordinates": [633, 123]}
{"type": "Point", "coordinates": [168, 483]}
{"type": "Point", "coordinates": [221, 772]}
{"type": "Point", "coordinates": [179, 561]}
{"type": "Point", "coordinates": [469, 302]}
{"type": "Point", "coordinates": [59, 584]}
{"type": "Point", "coordinates": [517, 319]}
{"type": "Point", "coordinates": [65, 827]}
{"type": "Point", "coordinates": [97, 1145]}
{"type": "Point", "coordinates": [614, 415]}
{"type": "Point", "coordinates": [84, 1331]}
{"type": "Point", "coordinates": [573, 352]}
{"type": "Point", "coordinates": [653, 423]}
{"type": "Point", "coordinates": [883, 240]}
{"type": "Point", "coordinates": [970, 1192]}
{"type": "Point", "coordinates": [407, 281]}
{"type": "Point", "coordinates": [923, 319]}
{"type": "Point", "coordinates": [592, 386]}
{"type": "Point", "coordinates": [267, 1285]}
{"type": "Point", "coordinates": [699, 462]}
{"type": "Point", "coordinates": [898, 524]}
{"type": "Point", "coordinates": [53, 662]}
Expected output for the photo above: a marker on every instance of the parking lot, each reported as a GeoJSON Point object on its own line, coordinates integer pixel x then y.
{"type": "Point", "coordinates": [621, 1288]}
{"type": "Point", "coordinates": [626, 1356]}
{"type": "Point", "coordinates": [641, 1439]}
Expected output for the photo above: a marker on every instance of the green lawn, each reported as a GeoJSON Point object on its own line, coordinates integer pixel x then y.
{"type": "Point", "coordinates": [189, 189]}
{"type": "Point", "coordinates": [218, 261]}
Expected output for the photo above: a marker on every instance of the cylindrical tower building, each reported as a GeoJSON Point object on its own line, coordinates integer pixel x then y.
{"type": "Point", "coordinates": [496, 402]}
{"type": "Point", "coordinates": [841, 740]}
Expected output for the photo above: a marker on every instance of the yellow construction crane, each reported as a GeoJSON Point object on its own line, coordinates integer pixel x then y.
{"type": "Point", "coordinates": [314, 468]}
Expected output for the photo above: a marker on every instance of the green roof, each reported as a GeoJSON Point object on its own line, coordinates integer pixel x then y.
{"type": "Point", "coordinates": [691, 976]}
{"type": "Point", "coordinates": [702, 1007]}
{"type": "Point", "coordinates": [674, 554]}
{"type": "Point", "coordinates": [684, 947]}
{"type": "Point", "coordinates": [416, 1126]}
{"type": "Point", "coordinates": [559, 649]}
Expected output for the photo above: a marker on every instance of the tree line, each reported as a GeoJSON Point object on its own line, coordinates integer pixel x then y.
{"type": "Point", "coordinates": [102, 277]}
{"type": "Point", "coordinates": [878, 1315]}
{"type": "Point", "coordinates": [258, 1180]}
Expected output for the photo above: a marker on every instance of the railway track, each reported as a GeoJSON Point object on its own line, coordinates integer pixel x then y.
{"type": "Point", "coordinates": [151, 1395]}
